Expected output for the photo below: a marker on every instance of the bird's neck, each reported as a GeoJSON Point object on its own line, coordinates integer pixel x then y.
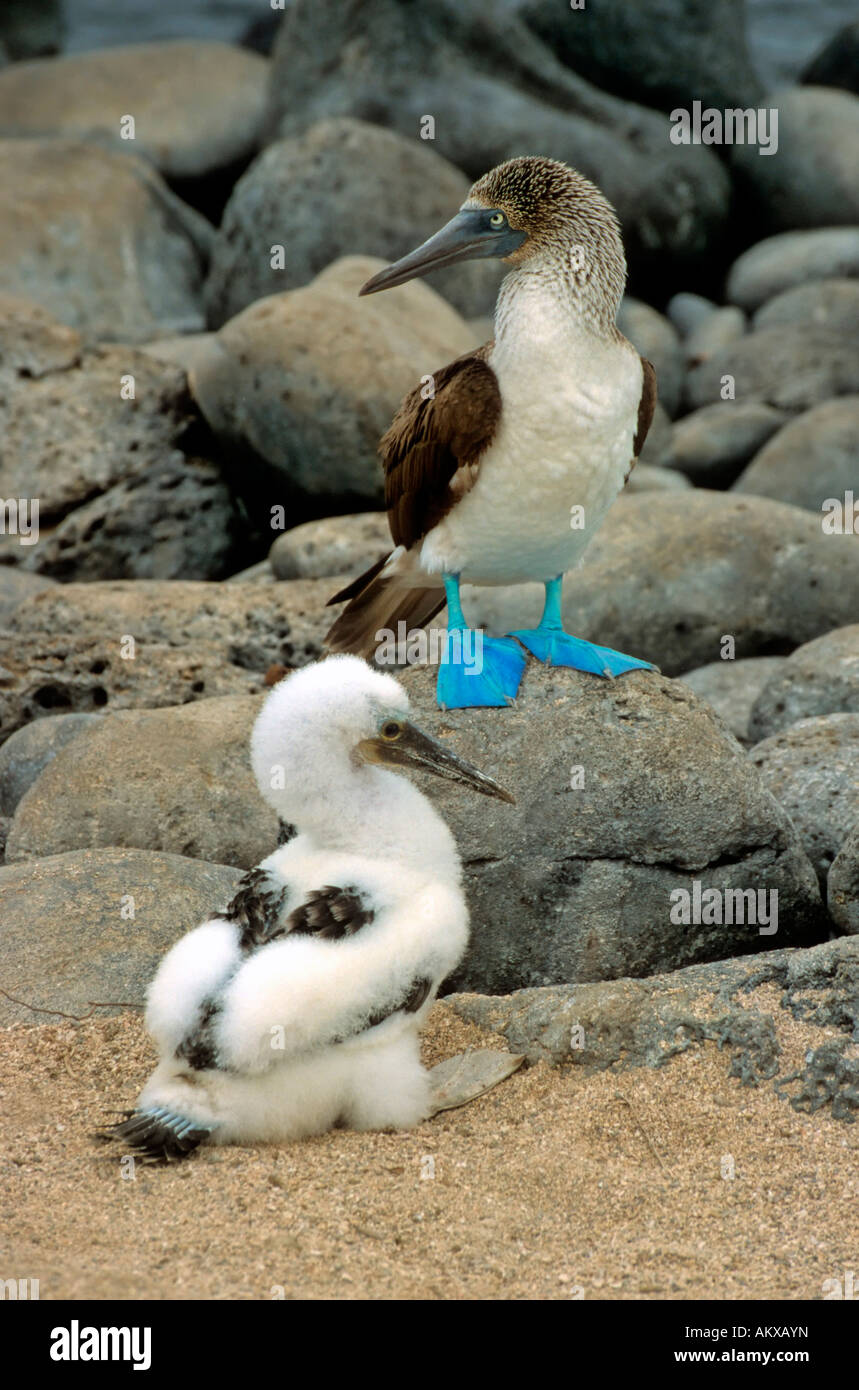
{"type": "Point", "coordinates": [548, 303]}
{"type": "Point", "coordinates": [378, 814]}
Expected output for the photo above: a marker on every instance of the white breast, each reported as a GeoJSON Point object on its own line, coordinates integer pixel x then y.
{"type": "Point", "coordinates": [569, 414]}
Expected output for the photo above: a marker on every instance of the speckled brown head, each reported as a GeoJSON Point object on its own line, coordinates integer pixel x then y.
{"type": "Point", "coordinates": [537, 215]}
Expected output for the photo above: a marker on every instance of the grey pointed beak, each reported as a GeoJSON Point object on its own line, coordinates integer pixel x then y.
{"type": "Point", "coordinates": [466, 237]}
{"type": "Point", "coordinates": [416, 749]}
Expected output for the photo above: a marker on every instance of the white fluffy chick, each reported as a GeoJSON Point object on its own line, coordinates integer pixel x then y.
{"type": "Point", "coordinates": [298, 1009]}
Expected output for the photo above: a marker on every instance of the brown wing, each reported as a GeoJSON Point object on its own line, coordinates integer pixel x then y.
{"type": "Point", "coordinates": [646, 406]}
{"type": "Point", "coordinates": [430, 440]}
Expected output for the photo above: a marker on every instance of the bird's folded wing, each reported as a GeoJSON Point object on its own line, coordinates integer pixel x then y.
{"type": "Point", "coordinates": [341, 965]}
{"type": "Point", "coordinates": [646, 406]}
{"type": "Point", "coordinates": [440, 431]}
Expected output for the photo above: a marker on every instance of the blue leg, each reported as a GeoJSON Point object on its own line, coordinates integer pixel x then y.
{"type": "Point", "coordinates": [476, 671]}
{"type": "Point", "coordinates": [551, 644]}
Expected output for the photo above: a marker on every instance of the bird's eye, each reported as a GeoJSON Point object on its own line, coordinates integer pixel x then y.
{"type": "Point", "coordinates": [497, 220]}
{"type": "Point", "coordinates": [390, 730]}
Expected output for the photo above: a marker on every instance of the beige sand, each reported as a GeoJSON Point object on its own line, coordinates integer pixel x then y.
{"type": "Point", "coordinates": [553, 1184]}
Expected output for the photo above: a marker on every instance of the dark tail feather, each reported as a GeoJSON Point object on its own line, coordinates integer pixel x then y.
{"type": "Point", "coordinates": [158, 1135]}
{"type": "Point", "coordinates": [353, 590]}
{"type": "Point", "coordinates": [379, 601]}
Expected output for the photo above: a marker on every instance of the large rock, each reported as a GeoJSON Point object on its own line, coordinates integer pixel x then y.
{"type": "Point", "coordinates": [718, 330]}
{"type": "Point", "coordinates": [842, 896]}
{"type": "Point", "coordinates": [634, 1023]}
{"type": "Point", "coordinates": [91, 926]}
{"type": "Point", "coordinates": [811, 460]}
{"type": "Point", "coordinates": [126, 502]}
{"type": "Point", "coordinates": [821, 677]}
{"type": "Point", "coordinates": [792, 367]}
{"type": "Point", "coordinates": [812, 769]}
{"type": "Point", "coordinates": [832, 303]}
{"type": "Point", "coordinates": [731, 688]}
{"type": "Point", "coordinates": [575, 882]}
{"type": "Point", "coordinates": [789, 260]}
{"type": "Point", "coordinates": [25, 755]}
{"type": "Point", "coordinates": [813, 179]}
{"type": "Point", "coordinates": [174, 779]}
{"type": "Point", "coordinates": [655, 338]}
{"type": "Point", "coordinates": [341, 187]}
{"type": "Point", "coordinates": [99, 241]}
{"type": "Point", "coordinates": [141, 643]}
{"type": "Point", "coordinates": [333, 545]}
{"type": "Point", "coordinates": [711, 445]}
{"type": "Point", "coordinates": [666, 55]}
{"type": "Point", "coordinates": [197, 107]}
{"type": "Point", "coordinates": [668, 577]}
{"type": "Point", "coordinates": [303, 384]}
{"type": "Point", "coordinates": [494, 90]}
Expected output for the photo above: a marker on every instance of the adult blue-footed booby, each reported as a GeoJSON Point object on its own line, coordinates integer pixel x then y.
{"type": "Point", "coordinates": [505, 472]}
{"type": "Point", "coordinates": [299, 1007]}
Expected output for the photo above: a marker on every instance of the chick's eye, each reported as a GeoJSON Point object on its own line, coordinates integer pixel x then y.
{"type": "Point", "coordinates": [391, 729]}
{"type": "Point", "coordinates": [497, 219]}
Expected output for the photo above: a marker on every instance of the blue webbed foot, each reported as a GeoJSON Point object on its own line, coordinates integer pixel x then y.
{"type": "Point", "coordinates": [557, 648]}
{"type": "Point", "coordinates": [489, 676]}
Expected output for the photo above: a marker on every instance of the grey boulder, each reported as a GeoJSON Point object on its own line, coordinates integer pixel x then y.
{"type": "Point", "coordinates": [99, 241]}
{"type": "Point", "coordinates": [626, 792]}
{"type": "Point", "coordinates": [831, 303]}
{"type": "Point", "coordinates": [198, 107]}
{"type": "Point", "coordinates": [792, 367]}
{"type": "Point", "coordinates": [90, 927]}
{"type": "Point", "coordinates": [175, 779]}
{"type": "Point", "coordinates": [334, 545]}
{"type": "Point", "coordinates": [812, 769]}
{"type": "Point", "coordinates": [842, 888]}
{"type": "Point", "coordinates": [790, 259]}
{"type": "Point", "coordinates": [813, 178]}
{"type": "Point", "coordinates": [712, 445]}
{"type": "Point", "coordinates": [811, 461]}
{"type": "Point", "coordinates": [655, 338]}
{"type": "Point", "coordinates": [820, 677]}
{"type": "Point", "coordinates": [25, 755]}
{"type": "Point", "coordinates": [301, 385]}
{"type": "Point", "coordinates": [343, 187]}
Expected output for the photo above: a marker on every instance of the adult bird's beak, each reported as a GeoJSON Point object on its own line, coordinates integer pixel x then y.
{"type": "Point", "coordinates": [466, 237]}
{"type": "Point", "coordinates": [413, 748]}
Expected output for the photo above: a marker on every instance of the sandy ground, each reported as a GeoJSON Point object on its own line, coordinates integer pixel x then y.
{"type": "Point", "coordinates": [554, 1185]}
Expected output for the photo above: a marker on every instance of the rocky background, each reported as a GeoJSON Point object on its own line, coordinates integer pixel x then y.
{"type": "Point", "coordinates": [193, 392]}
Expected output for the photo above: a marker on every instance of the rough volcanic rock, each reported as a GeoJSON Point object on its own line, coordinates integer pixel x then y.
{"type": "Point", "coordinates": [32, 341]}
{"type": "Point", "coordinates": [812, 769]}
{"type": "Point", "coordinates": [99, 241]}
{"type": "Point", "coordinates": [197, 106]}
{"type": "Point", "coordinates": [633, 1023]}
{"type": "Point", "coordinates": [820, 677]}
{"type": "Point", "coordinates": [17, 585]}
{"type": "Point", "coordinates": [843, 886]}
{"type": "Point", "coordinates": [339, 188]}
{"type": "Point", "coordinates": [147, 643]}
{"type": "Point", "coordinates": [78, 909]}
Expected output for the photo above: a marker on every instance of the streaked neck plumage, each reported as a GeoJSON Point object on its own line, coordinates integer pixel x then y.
{"type": "Point", "coordinates": [562, 293]}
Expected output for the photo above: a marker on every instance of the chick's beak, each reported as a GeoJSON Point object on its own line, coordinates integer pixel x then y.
{"type": "Point", "coordinates": [414, 748]}
{"type": "Point", "coordinates": [465, 237]}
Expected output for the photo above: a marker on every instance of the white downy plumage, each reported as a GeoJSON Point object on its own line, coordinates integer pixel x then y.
{"type": "Point", "coordinates": [299, 1009]}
